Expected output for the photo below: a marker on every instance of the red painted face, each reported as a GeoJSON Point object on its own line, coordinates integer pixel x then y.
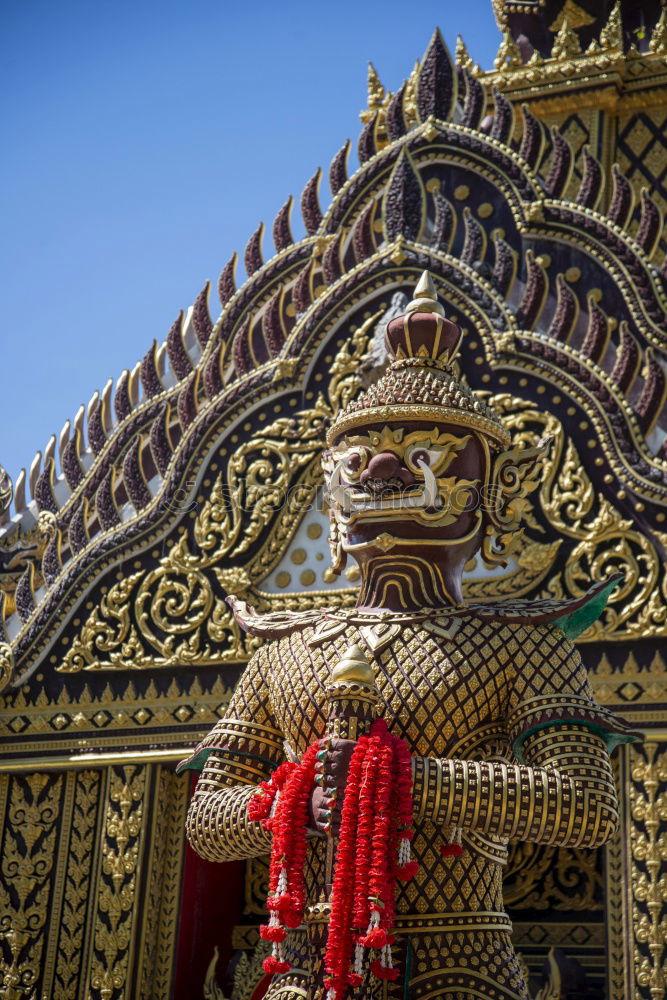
{"type": "Point", "coordinates": [409, 480]}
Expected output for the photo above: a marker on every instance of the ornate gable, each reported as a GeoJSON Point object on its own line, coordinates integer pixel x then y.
{"type": "Point", "coordinates": [195, 485]}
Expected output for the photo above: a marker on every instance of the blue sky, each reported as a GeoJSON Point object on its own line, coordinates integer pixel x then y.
{"type": "Point", "coordinates": [143, 142]}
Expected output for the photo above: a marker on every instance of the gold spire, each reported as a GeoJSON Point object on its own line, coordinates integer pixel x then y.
{"type": "Point", "coordinates": [353, 668]}
{"type": "Point", "coordinates": [611, 36]}
{"type": "Point", "coordinates": [376, 91]}
{"type": "Point", "coordinates": [566, 43]}
{"type": "Point", "coordinates": [463, 57]}
{"type": "Point", "coordinates": [509, 53]}
{"type": "Point", "coordinates": [658, 42]}
{"type": "Point", "coordinates": [378, 98]}
{"type": "Point", "coordinates": [425, 297]}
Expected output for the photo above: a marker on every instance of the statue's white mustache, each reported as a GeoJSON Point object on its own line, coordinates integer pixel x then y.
{"type": "Point", "coordinates": [340, 494]}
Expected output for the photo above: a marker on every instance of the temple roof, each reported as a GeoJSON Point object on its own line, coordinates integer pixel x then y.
{"type": "Point", "coordinates": [543, 25]}
{"type": "Point", "coordinates": [492, 204]}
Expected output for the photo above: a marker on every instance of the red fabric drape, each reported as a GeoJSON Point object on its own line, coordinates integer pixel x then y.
{"type": "Point", "coordinates": [211, 906]}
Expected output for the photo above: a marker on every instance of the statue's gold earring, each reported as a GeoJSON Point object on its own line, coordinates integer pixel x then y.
{"type": "Point", "coordinates": [338, 553]}
{"type": "Point", "coordinates": [515, 474]}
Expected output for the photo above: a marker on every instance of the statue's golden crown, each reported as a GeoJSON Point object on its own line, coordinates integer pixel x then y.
{"type": "Point", "coordinates": [421, 382]}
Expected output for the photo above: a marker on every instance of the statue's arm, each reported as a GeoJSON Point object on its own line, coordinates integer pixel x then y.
{"type": "Point", "coordinates": [217, 825]}
{"type": "Point", "coordinates": [242, 750]}
{"type": "Point", "coordinates": [564, 794]}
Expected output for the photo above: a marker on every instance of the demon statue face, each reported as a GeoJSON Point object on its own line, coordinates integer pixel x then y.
{"type": "Point", "coordinates": [419, 477]}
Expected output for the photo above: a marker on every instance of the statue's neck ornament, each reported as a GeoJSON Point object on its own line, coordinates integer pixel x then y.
{"type": "Point", "coordinates": [412, 465]}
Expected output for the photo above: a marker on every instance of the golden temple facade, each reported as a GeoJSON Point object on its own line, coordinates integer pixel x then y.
{"type": "Point", "coordinates": [534, 193]}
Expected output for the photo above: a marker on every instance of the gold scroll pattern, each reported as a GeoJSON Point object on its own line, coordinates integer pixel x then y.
{"type": "Point", "coordinates": [648, 835]}
{"type": "Point", "coordinates": [172, 615]}
{"type": "Point", "coordinates": [114, 919]}
{"type": "Point", "coordinates": [597, 539]}
{"type": "Point", "coordinates": [30, 832]}
{"type": "Point", "coordinates": [552, 878]}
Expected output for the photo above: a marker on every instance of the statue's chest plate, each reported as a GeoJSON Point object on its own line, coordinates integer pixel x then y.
{"type": "Point", "coordinates": [442, 684]}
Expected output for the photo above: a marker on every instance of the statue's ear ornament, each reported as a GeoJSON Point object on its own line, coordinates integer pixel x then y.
{"type": "Point", "coordinates": [515, 474]}
{"type": "Point", "coordinates": [338, 554]}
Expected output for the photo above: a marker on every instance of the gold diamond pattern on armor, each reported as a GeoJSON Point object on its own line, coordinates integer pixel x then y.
{"type": "Point", "coordinates": [450, 697]}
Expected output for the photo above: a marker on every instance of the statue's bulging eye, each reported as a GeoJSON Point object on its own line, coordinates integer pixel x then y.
{"type": "Point", "coordinates": [355, 462]}
{"type": "Point", "coordinates": [420, 456]}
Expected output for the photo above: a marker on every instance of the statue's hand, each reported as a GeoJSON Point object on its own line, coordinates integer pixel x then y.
{"type": "Point", "coordinates": [326, 801]}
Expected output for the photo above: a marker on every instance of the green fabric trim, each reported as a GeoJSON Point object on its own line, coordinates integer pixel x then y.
{"type": "Point", "coordinates": [408, 971]}
{"type": "Point", "coordinates": [576, 622]}
{"type": "Point", "coordinates": [197, 761]}
{"type": "Point", "coordinates": [611, 738]}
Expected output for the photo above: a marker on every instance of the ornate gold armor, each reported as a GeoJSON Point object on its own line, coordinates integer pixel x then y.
{"type": "Point", "coordinates": [493, 701]}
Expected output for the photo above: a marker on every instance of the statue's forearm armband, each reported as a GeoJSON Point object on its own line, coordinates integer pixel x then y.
{"type": "Point", "coordinates": [218, 826]}
{"type": "Point", "coordinates": [565, 796]}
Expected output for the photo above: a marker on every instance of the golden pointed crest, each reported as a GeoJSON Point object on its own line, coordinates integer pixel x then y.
{"type": "Point", "coordinates": [376, 91]}
{"type": "Point", "coordinates": [353, 668]}
{"type": "Point", "coordinates": [425, 297]}
{"type": "Point", "coordinates": [463, 57]}
{"type": "Point", "coordinates": [566, 43]}
{"type": "Point", "coordinates": [611, 36]}
{"type": "Point", "coordinates": [509, 53]}
{"type": "Point", "coordinates": [575, 16]}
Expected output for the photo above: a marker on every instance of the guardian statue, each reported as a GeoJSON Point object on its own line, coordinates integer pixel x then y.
{"type": "Point", "coordinates": [505, 738]}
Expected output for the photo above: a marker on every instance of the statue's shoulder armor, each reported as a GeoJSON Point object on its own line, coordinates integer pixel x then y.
{"type": "Point", "coordinates": [275, 624]}
{"type": "Point", "coordinates": [573, 614]}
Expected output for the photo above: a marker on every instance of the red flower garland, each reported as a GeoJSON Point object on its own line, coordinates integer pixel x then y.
{"type": "Point", "coordinates": [380, 812]}
{"type": "Point", "coordinates": [373, 852]}
{"type": "Point", "coordinates": [260, 805]}
{"type": "Point", "coordinates": [339, 940]}
{"type": "Point", "coordinates": [289, 823]}
{"type": "Point", "coordinates": [361, 912]}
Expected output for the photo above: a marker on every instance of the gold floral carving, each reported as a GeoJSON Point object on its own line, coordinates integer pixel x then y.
{"type": "Point", "coordinates": [533, 563]}
{"type": "Point", "coordinates": [173, 615]}
{"type": "Point", "coordinates": [249, 972]}
{"type": "Point", "coordinates": [648, 811]}
{"type": "Point", "coordinates": [515, 474]}
{"type": "Point", "coordinates": [160, 917]}
{"type": "Point", "coordinates": [546, 878]}
{"type": "Point", "coordinates": [115, 914]}
{"type": "Point", "coordinates": [595, 539]}
{"type": "Point", "coordinates": [77, 885]}
{"type": "Point", "coordinates": [28, 851]}
{"type": "Point", "coordinates": [256, 886]}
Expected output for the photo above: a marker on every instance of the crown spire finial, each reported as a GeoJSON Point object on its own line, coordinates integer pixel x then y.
{"type": "Point", "coordinates": [425, 297]}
